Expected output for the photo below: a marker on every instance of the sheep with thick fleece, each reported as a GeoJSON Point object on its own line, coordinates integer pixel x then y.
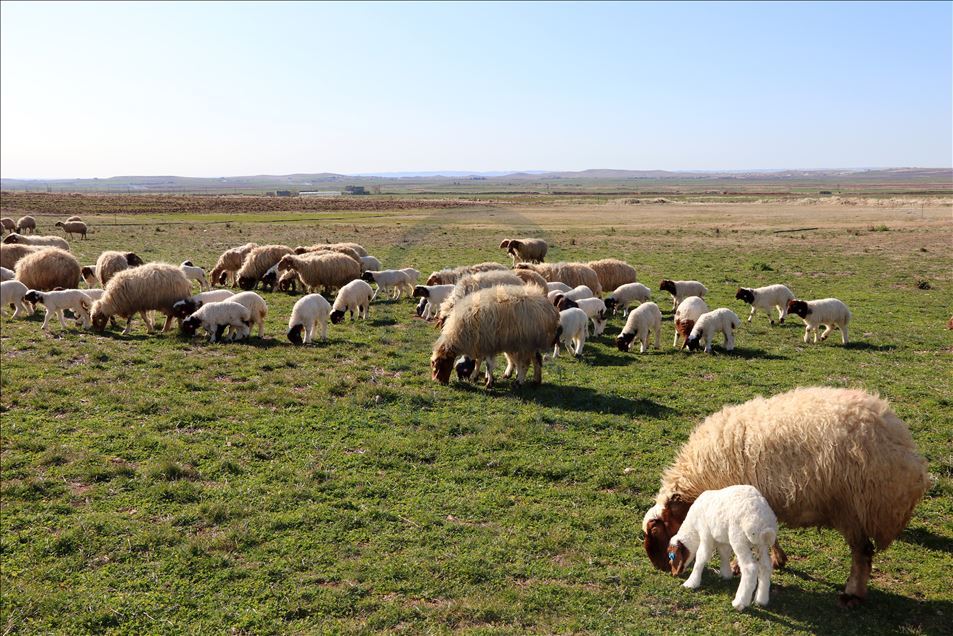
{"type": "Point", "coordinates": [256, 306]}
{"type": "Point", "coordinates": [575, 328]}
{"type": "Point", "coordinates": [347, 248]}
{"type": "Point", "coordinates": [13, 292]}
{"type": "Point", "coordinates": [575, 293]}
{"type": "Point", "coordinates": [473, 282]}
{"type": "Point", "coordinates": [821, 456]}
{"type": "Point", "coordinates": [451, 276]}
{"type": "Point", "coordinates": [6, 274]}
{"type": "Point", "coordinates": [573, 274]}
{"type": "Point", "coordinates": [642, 321]}
{"type": "Point", "coordinates": [355, 296]}
{"type": "Point", "coordinates": [307, 313]}
{"type": "Point", "coordinates": [512, 319]}
{"type": "Point", "coordinates": [185, 308]}
{"type": "Point", "coordinates": [529, 277]}
{"type": "Point", "coordinates": [682, 289]}
{"type": "Point", "coordinates": [530, 250]}
{"type": "Point", "coordinates": [10, 254]}
{"type": "Point", "coordinates": [216, 317]}
{"type": "Point", "coordinates": [289, 281]}
{"type": "Point", "coordinates": [625, 295]}
{"type": "Point", "coordinates": [593, 307]}
{"type": "Point", "coordinates": [829, 312]}
{"type": "Point", "coordinates": [229, 263]}
{"type": "Point", "coordinates": [434, 295]}
{"type": "Point", "coordinates": [734, 519]}
{"type": "Point", "coordinates": [710, 323]}
{"type": "Point", "coordinates": [110, 263]}
{"type": "Point", "coordinates": [37, 241]}
{"type": "Point", "coordinates": [766, 298]}
{"type": "Point", "coordinates": [48, 269]}
{"type": "Point", "coordinates": [326, 270]}
{"type": "Point", "coordinates": [154, 286]}
{"type": "Point", "coordinates": [56, 302]}
{"type": "Point", "coordinates": [8, 224]}
{"type": "Point", "coordinates": [370, 262]}
{"type": "Point", "coordinates": [73, 227]}
{"type": "Point", "coordinates": [612, 272]}
{"type": "Point", "coordinates": [328, 247]}
{"type": "Point", "coordinates": [687, 314]}
{"type": "Point", "coordinates": [26, 223]}
{"type": "Point", "coordinates": [389, 280]}
{"type": "Point", "coordinates": [551, 287]}
{"type": "Point", "coordinates": [194, 273]}
{"type": "Point", "coordinates": [259, 261]}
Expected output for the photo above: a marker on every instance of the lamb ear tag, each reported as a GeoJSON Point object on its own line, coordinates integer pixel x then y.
{"type": "Point", "coordinates": [671, 556]}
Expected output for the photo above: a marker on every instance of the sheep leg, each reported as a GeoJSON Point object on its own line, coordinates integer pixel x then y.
{"type": "Point", "coordinates": [701, 560]}
{"type": "Point", "coordinates": [749, 576]}
{"type": "Point", "coordinates": [128, 328]}
{"type": "Point", "coordinates": [147, 320]}
{"type": "Point", "coordinates": [510, 366]}
{"type": "Point", "coordinates": [17, 306]}
{"type": "Point", "coordinates": [168, 323]}
{"type": "Point", "coordinates": [729, 340]}
{"type": "Point", "coordinates": [807, 333]}
{"type": "Point", "coordinates": [556, 350]}
{"type": "Point", "coordinates": [843, 334]}
{"type": "Point", "coordinates": [261, 328]}
{"type": "Point", "coordinates": [751, 315]}
{"type": "Point", "coordinates": [763, 592]}
{"type": "Point", "coordinates": [724, 555]}
{"type": "Point", "coordinates": [855, 591]}
{"type": "Point", "coordinates": [324, 330]}
{"type": "Point", "coordinates": [579, 342]}
{"type": "Point", "coordinates": [658, 337]}
{"type": "Point", "coordinates": [782, 313]}
{"type": "Point", "coordinates": [537, 368]}
{"type": "Point", "coordinates": [643, 342]}
{"type": "Point", "coordinates": [489, 372]}
{"type": "Point", "coordinates": [46, 320]}
{"type": "Point", "coordinates": [675, 342]}
{"type": "Point", "coordinates": [708, 343]}
{"type": "Point", "coordinates": [827, 331]}
{"type": "Point", "coordinates": [59, 314]}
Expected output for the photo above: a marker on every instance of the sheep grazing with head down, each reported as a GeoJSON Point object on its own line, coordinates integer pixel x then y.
{"type": "Point", "coordinates": [574, 325]}
{"type": "Point", "coordinates": [37, 241]}
{"type": "Point", "coordinates": [710, 323]}
{"type": "Point", "coordinates": [185, 308]}
{"type": "Point", "coordinates": [26, 223]}
{"type": "Point", "coordinates": [216, 317]}
{"type": "Point", "coordinates": [8, 225]}
{"type": "Point", "coordinates": [525, 250]}
{"type": "Point", "coordinates": [475, 282]}
{"type": "Point", "coordinates": [56, 302]}
{"type": "Point", "coordinates": [625, 295]}
{"type": "Point", "coordinates": [257, 308]}
{"type": "Point", "coordinates": [150, 287]}
{"type": "Point", "coordinates": [289, 281]}
{"type": "Point", "coordinates": [612, 272]}
{"type": "Point", "coordinates": [593, 307]}
{"type": "Point", "coordinates": [355, 296]}
{"type": "Point", "coordinates": [308, 312]}
{"type": "Point", "coordinates": [451, 276]}
{"type": "Point", "coordinates": [327, 270]}
{"type": "Point", "coordinates": [573, 274]}
{"type": "Point", "coordinates": [682, 289]}
{"type": "Point", "coordinates": [828, 312]}
{"type": "Point", "coordinates": [13, 293]}
{"type": "Point", "coordinates": [110, 263]}
{"type": "Point", "coordinates": [687, 314]}
{"type": "Point", "coordinates": [258, 262]}
{"type": "Point", "coordinates": [642, 321]}
{"type": "Point", "coordinates": [431, 296]}
{"type": "Point", "coordinates": [823, 457]}
{"type": "Point", "coordinates": [229, 263]}
{"type": "Point", "coordinates": [48, 269]}
{"type": "Point", "coordinates": [765, 299]}
{"type": "Point", "coordinates": [394, 281]}
{"type": "Point", "coordinates": [73, 227]}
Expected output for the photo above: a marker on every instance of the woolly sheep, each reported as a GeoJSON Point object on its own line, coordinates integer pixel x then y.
{"type": "Point", "coordinates": [764, 298]}
{"type": "Point", "coordinates": [216, 317]}
{"type": "Point", "coordinates": [687, 314]}
{"type": "Point", "coordinates": [389, 280]}
{"type": "Point", "coordinates": [551, 287]}
{"type": "Point", "coordinates": [26, 223]}
{"type": "Point", "coordinates": [829, 312]}
{"type": "Point", "coordinates": [710, 323]}
{"type": "Point", "coordinates": [9, 225]}
{"type": "Point", "coordinates": [12, 292]}
{"type": "Point", "coordinates": [10, 254]}
{"type": "Point", "coordinates": [529, 277]}
{"type": "Point", "coordinates": [575, 328]}
{"type": "Point", "coordinates": [434, 295]}
{"type": "Point", "coordinates": [94, 294]}
{"type": "Point", "coordinates": [72, 227]}
{"type": "Point", "coordinates": [575, 293]}
{"type": "Point", "coordinates": [823, 457]}
{"type": "Point", "coordinates": [6, 274]}
{"type": "Point", "coordinates": [451, 276]}
{"type": "Point", "coordinates": [38, 241]}
{"type": "Point", "coordinates": [573, 274]}
{"type": "Point", "coordinates": [47, 269]}
{"type": "Point", "coordinates": [471, 283]}
{"type": "Point", "coordinates": [256, 306]}
{"type": "Point", "coordinates": [229, 263]}
{"type": "Point", "coordinates": [74, 218]}
{"type": "Point", "coordinates": [257, 262]}
{"type": "Point", "coordinates": [340, 248]}
{"type": "Point", "coordinates": [110, 263]}
{"type": "Point", "coordinates": [530, 250]}
{"type": "Point", "coordinates": [186, 307]}
{"type": "Point", "coordinates": [594, 308]}
{"type": "Point", "coordinates": [681, 289]}
{"type": "Point", "coordinates": [308, 312]}
{"type": "Point", "coordinates": [734, 519]}
{"type": "Point", "coordinates": [355, 296]}
{"type": "Point", "coordinates": [612, 272]}
{"type": "Point", "coordinates": [331, 270]}
{"type": "Point", "coordinates": [154, 286]}
{"type": "Point", "coordinates": [56, 302]}
{"type": "Point", "coordinates": [642, 321]}
{"type": "Point", "coordinates": [289, 281]}
{"type": "Point", "coordinates": [369, 262]}
{"type": "Point", "coordinates": [194, 273]}
{"type": "Point", "coordinates": [626, 294]}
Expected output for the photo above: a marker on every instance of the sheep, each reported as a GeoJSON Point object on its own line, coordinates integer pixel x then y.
{"type": "Point", "coordinates": [829, 312]}
{"type": "Point", "coordinates": [764, 298]}
{"type": "Point", "coordinates": [432, 296]}
{"type": "Point", "coordinates": [216, 317]}
{"type": "Point", "coordinates": [111, 263]}
{"type": "Point", "coordinates": [509, 318]}
{"type": "Point", "coordinates": [340, 248]}
{"type": "Point", "coordinates": [355, 296]}
{"type": "Point", "coordinates": [74, 218]}
{"type": "Point", "coordinates": [288, 282]}
{"type": "Point", "coordinates": [309, 311]}
{"type": "Point", "coordinates": [573, 274]}
{"type": "Point", "coordinates": [575, 293]}
{"type": "Point", "coordinates": [412, 274]}
{"type": "Point", "coordinates": [229, 263]}
{"type": "Point", "coordinates": [393, 280]}
{"type": "Point", "coordinates": [256, 306]}
{"type": "Point", "coordinates": [194, 273]}
{"type": "Point", "coordinates": [612, 272]}
{"type": "Point", "coordinates": [550, 287]}
{"type": "Point", "coordinates": [531, 250]}
{"type": "Point", "coordinates": [186, 307]}
{"type": "Point", "coordinates": [269, 279]}
{"type": "Point", "coordinates": [687, 314]}
{"type": "Point", "coordinates": [38, 241]}
{"type": "Point", "coordinates": [56, 302]}
{"type": "Point", "coordinates": [471, 283]}
{"type": "Point", "coordinates": [642, 321]}
{"type": "Point", "coordinates": [323, 270]}
{"type": "Point", "coordinates": [369, 262]}
{"type": "Point", "coordinates": [12, 292]}
{"type": "Point", "coordinates": [626, 294]}
{"type": "Point", "coordinates": [6, 274]}
{"type": "Point", "coordinates": [72, 227]}
{"type": "Point", "coordinates": [734, 519]}
{"type": "Point", "coordinates": [26, 223]}
{"type": "Point", "coordinates": [10, 254]}
{"type": "Point", "coordinates": [710, 323]}
{"type": "Point", "coordinates": [94, 294]}
{"type": "Point", "coordinates": [529, 277]}
{"type": "Point", "coordinates": [451, 276]}
{"type": "Point", "coordinates": [594, 308]}
{"type": "Point", "coordinates": [681, 289]}
{"type": "Point", "coordinates": [575, 328]}
{"type": "Point", "coordinates": [8, 225]}
{"type": "Point", "coordinates": [821, 456]}
{"type": "Point", "coordinates": [154, 286]}
{"type": "Point", "coordinates": [257, 262]}
{"type": "Point", "coordinates": [48, 268]}
{"type": "Point", "coordinates": [88, 274]}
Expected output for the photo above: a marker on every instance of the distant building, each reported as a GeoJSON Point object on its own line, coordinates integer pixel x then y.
{"type": "Point", "coordinates": [285, 193]}
{"type": "Point", "coordinates": [355, 190]}
{"type": "Point", "coordinates": [319, 193]}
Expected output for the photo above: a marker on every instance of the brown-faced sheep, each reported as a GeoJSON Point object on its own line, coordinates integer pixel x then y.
{"type": "Point", "coordinates": [259, 261]}
{"type": "Point", "coordinates": [612, 272]}
{"type": "Point", "coordinates": [37, 241]}
{"type": "Point", "coordinates": [10, 254]}
{"type": "Point", "coordinates": [111, 263]}
{"type": "Point", "coordinates": [48, 269]}
{"type": "Point", "coordinates": [573, 274]}
{"type": "Point", "coordinates": [324, 270]}
{"type": "Point", "coordinates": [8, 225]}
{"type": "Point", "coordinates": [154, 286]}
{"type": "Point", "coordinates": [73, 227]}
{"type": "Point", "coordinates": [25, 223]}
{"type": "Point", "coordinates": [825, 457]}
{"type": "Point", "coordinates": [451, 276]}
{"type": "Point", "coordinates": [528, 250]}
{"type": "Point", "coordinates": [229, 263]}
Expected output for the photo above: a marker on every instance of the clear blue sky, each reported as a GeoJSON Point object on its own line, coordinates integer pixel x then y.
{"type": "Point", "coordinates": [232, 89]}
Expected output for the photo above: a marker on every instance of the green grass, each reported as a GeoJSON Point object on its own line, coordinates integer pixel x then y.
{"type": "Point", "coordinates": [156, 485]}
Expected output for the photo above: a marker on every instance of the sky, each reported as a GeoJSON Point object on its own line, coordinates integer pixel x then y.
{"type": "Point", "coordinates": [192, 89]}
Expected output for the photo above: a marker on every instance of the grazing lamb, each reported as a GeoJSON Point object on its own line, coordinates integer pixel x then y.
{"type": "Point", "coordinates": [738, 519]}
{"type": "Point", "coordinates": [13, 292]}
{"type": "Point", "coordinates": [764, 298]}
{"type": "Point", "coordinates": [355, 296]}
{"type": "Point", "coordinates": [154, 286]}
{"type": "Point", "coordinates": [625, 295]}
{"type": "Point", "coordinates": [216, 317]}
{"type": "Point", "coordinates": [822, 457]}
{"type": "Point", "coordinates": [451, 276]}
{"type": "Point", "coordinates": [194, 273]}
{"type": "Point", "coordinates": [576, 293]}
{"type": "Point", "coordinates": [322, 270]}
{"type": "Point", "coordinates": [9, 225]}
{"type": "Point", "coordinates": [308, 312]}
{"type": "Point", "coordinates": [575, 328]}
{"type": "Point", "coordinates": [369, 262]}
{"type": "Point", "coordinates": [185, 308]}
{"type": "Point", "coordinates": [56, 302]}
{"type": "Point", "coordinates": [395, 281]}
{"type": "Point", "coordinates": [682, 289]}
{"type": "Point", "coordinates": [26, 223]}
{"type": "Point", "coordinates": [687, 314]}
{"type": "Point", "coordinates": [432, 297]}
{"type": "Point", "coordinates": [412, 274]}
{"type": "Point", "coordinates": [37, 241]}
{"type": "Point", "coordinates": [710, 323]}
{"type": "Point", "coordinates": [10, 254]}
{"type": "Point", "coordinates": [289, 281]}
{"type": "Point", "coordinates": [829, 312]}
{"type": "Point", "coordinates": [258, 262]}
{"type": "Point", "coordinates": [256, 306]}
{"type": "Point", "coordinates": [110, 263]}
{"type": "Point", "coordinates": [6, 274]}
{"type": "Point", "coordinates": [229, 263]}
{"type": "Point", "coordinates": [73, 227]}
{"type": "Point", "coordinates": [48, 269]}
{"type": "Point", "coordinates": [573, 274]}
{"type": "Point", "coordinates": [530, 250]}
{"type": "Point", "coordinates": [594, 308]}
{"type": "Point", "coordinates": [642, 321]}
{"type": "Point", "coordinates": [613, 273]}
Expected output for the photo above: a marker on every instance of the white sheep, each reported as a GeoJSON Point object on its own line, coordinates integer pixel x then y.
{"type": "Point", "coordinates": [708, 324]}
{"type": "Point", "coordinates": [215, 317]}
{"type": "Point", "coordinates": [433, 295]}
{"type": "Point", "coordinates": [575, 328]}
{"type": "Point", "coordinates": [594, 308]}
{"type": "Point", "coordinates": [185, 308]}
{"type": "Point", "coordinates": [736, 518]}
{"type": "Point", "coordinates": [309, 311]}
{"type": "Point", "coordinates": [574, 293]}
{"type": "Point", "coordinates": [256, 305]}
{"type": "Point", "coordinates": [412, 274]}
{"type": "Point", "coordinates": [56, 302]}
{"type": "Point", "coordinates": [12, 293]}
{"type": "Point", "coordinates": [6, 274]}
{"type": "Point", "coordinates": [682, 289]}
{"type": "Point", "coordinates": [355, 296]}
{"type": "Point", "coordinates": [642, 321]}
{"type": "Point", "coordinates": [687, 314]}
{"type": "Point", "coordinates": [557, 286]}
{"type": "Point", "coordinates": [195, 273]}
{"type": "Point", "coordinates": [624, 295]}
{"type": "Point", "coordinates": [829, 312]}
{"type": "Point", "coordinates": [766, 298]}
{"type": "Point", "coordinates": [369, 262]}
{"type": "Point", "coordinates": [395, 281]}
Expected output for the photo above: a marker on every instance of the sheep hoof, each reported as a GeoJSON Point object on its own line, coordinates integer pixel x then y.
{"type": "Point", "coordinates": [738, 606]}
{"type": "Point", "coordinates": [849, 600]}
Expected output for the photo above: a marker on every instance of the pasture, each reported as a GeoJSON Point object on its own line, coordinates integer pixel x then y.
{"type": "Point", "coordinates": [156, 485]}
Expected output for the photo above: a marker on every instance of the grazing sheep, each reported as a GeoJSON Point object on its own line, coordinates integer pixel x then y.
{"type": "Point", "coordinates": [594, 308]}
{"type": "Point", "coordinates": [829, 312]}
{"type": "Point", "coordinates": [626, 294]}
{"type": "Point", "coordinates": [9, 225]}
{"type": "Point", "coordinates": [38, 241]}
{"type": "Point", "coordinates": [473, 282]}
{"type": "Point", "coordinates": [26, 223]}
{"type": "Point", "coordinates": [308, 312]}
{"type": "Point", "coordinates": [194, 273]}
{"type": "Point", "coordinates": [74, 218]}
{"type": "Point", "coordinates": [6, 274]}
{"type": "Point", "coordinates": [575, 328]}
{"type": "Point", "coordinates": [612, 272]}
{"type": "Point", "coordinates": [369, 262]}
{"type": "Point", "coordinates": [185, 308]}
{"type": "Point", "coordinates": [229, 263]}
{"type": "Point", "coordinates": [256, 306]}
{"type": "Point", "coordinates": [154, 286]}
{"type": "Point", "coordinates": [328, 270]}
{"type": "Point", "coordinates": [431, 296]}
{"type": "Point", "coordinates": [72, 227]}
{"type": "Point", "coordinates": [56, 302]}
{"type": "Point", "coordinates": [10, 254]}
{"type": "Point", "coordinates": [111, 263]}
{"type": "Point", "coordinates": [530, 250]}
{"type": "Point", "coordinates": [642, 321]}
{"type": "Point", "coordinates": [734, 519]}
{"type": "Point", "coordinates": [529, 277]}
{"type": "Point", "coordinates": [355, 296]}
{"type": "Point", "coordinates": [573, 274]}
{"type": "Point", "coordinates": [682, 289]}
{"type": "Point", "coordinates": [340, 248]}
{"type": "Point", "coordinates": [412, 274]}
{"type": "Point", "coordinates": [12, 292]}
{"type": "Point", "coordinates": [575, 293]}
{"type": "Point", "coordinates": [47, 269]}
{"type": "Point", "coordinates": [511, 319]}
{"type": "Point", "coordinates": [550, 287]}
{"type": "Point", "coordinates": [764, 298]}
{"type": "Point", "coordinates": [710, 323]}
{"type": "Point", "coordinates": [269, 279]}
{"type": "Point", "coordinates": [259, 261]}
{"type": "Point", "coordinates": [216, 317]}
{"type": "Point", "coordinates": [451, 276]}
{"type": "Point", "coordinates": [389, 280]}
{"type": "Point", "coordinates": [823, 457]}
{"type": "Point", "coordinates": [687, 314]}
{"type": "Point", "coordinates": [288, 282]}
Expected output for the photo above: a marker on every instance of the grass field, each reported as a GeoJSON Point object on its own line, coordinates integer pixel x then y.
{"type": "Point", "coordinates": [156, 485]}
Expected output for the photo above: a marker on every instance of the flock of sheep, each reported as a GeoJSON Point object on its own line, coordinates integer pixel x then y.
{"type": "Point", "coordinates": [811, 457]}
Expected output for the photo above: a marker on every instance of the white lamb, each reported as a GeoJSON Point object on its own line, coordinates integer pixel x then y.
{"type": "Point", "coordinates": [195, 273]}
{"type": "Point", "coordinates": [393, 280]}
{"type": "Point", "coordinates": [12, 293]}
{"type": "Point", "coordinates": [576, 293]}
{"type": "Point", "coordinates": [369, 262]}
{"type": "Point", "coordinates": [185, 308]}
{"type": "Point", "coordinates": [594, 308]}
{"type": "Point", "coordinates": [6, 274]}
{"type": "Point", "coordinates": [738, 519]}
{"type": "Point", "coordinates": [256, 305]}
{"type": "Point", "coordinates": [557, 286]}
{"type": "Point", "coordinates": [215, 317]}
{"type": "Point", "coordinates": [309, 311]}
{"type": "Point", "coordinates": [624, 295]}
{"type": "Point", "coordinates": [355, 296]}
{"type": "Point", "coordinates": [766, 298]}
{"type": "Point", "coordinates": [642, 321]}
{"type": "Point", "coordinates": [687, 314]}
{"type": "Point", "coordinates": [708, 324]}
{"type": "Point", "coordinates": [682, 289]}
{"type": "Point", "coordinates": [412, 274]}
{"type": "Point", "coordinates": [575, 329]}
{"type": "Point", "coordinates": [434, 295]}
{"type": "Point", "coordinates": [56, 302]}
{"type": "Point", "coordinates": [829, 312]}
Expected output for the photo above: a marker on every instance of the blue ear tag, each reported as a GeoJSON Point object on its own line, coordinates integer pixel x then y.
{"type": "Point", "coordinates": [671, 556]}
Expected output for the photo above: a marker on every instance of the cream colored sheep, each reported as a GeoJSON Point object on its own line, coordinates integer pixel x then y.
{"type": "Point", "coordinates": [10, 254]}
{"type": "Point", "coordinates": [370, 262]}
{"type": "Point", "coordinates": [56, 302]}
{"type": "Point", "coordinates": [308, 312]}
{"type": "Point", "coordinates": [471, 283]}
{"type": "Point", "coordinates": [574, 324]}
{"type": "Point", "coordinates": [687, 314]}
{"type": "Point", "coordinates": [194, 273]}
{"type": "Point", "coordinates": [259, 261]}
{"type": "Point", "coordinates": [153, 286]}
{"type": "Point", "coordinates": [8, 224]}
{"type": "Point", "coordinates": [185, 308]}
{"type": "Point", "coordinates": [766, 298]}
{"type": "Point", "coordinates": [721, 320]}
{"type": "Point", "coordinates": [625, 295]}
{"type": "Point", "coordinates": [389, 280]}
{"type": "Point", "coordinates": [110, 263]}
{"type": "Point", "coordinates": [48, 269]}
{"type": "Point", "coordinates": [530, 250]}
{"type": "Point", "coordinates": [229, 263]}
{"type": "Point", "coordinates": [593, 307]}
{"type": "Point", "coordinates": [681, 289]}
{"type": "Point", "coordinates": [573, 274]}
{"type": "Point", "coordinates": [26, 223]}
{"type": "Point", "coordinates": [37, 241]}
{"type": "Point", "coordinates": [451, 276]}
{"type": "Point", "coordinates": [828, 312]}
{"type": "Point", "coordinates": [13, 292]}
{"type": "Point", "coordinates": [529, 277]}
{"type": "Point", "coordinates": [73, 227]}
{"type": "Point", "coordinates": [642, 321]}
{"type": "Point", "coordinates": [340, 248]}
{"type": "Point", "coordinates": [576, 293]}
{"type": "Point", "coordinates": [216, 317]}
{"type": "Point", "coordinates": [256, 306]}
{"type": "Point", "coordinates": [324, 270]}
{"type": "Point", "coordinates": [74, 218]}
{"type": "Point", "coordinates": [612, 272]}
{"type": "Point", "coordinates": [355, 296]}
{"type": "Point", "coordinates": [550, 287]}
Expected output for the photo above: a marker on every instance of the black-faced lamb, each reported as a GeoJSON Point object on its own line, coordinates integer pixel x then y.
{"type": "Point", "coordinates": [355, 296]}
{"type": "Point", "coordinates": [709, 324]}
{"type": "Point", "coordinates": [575, 293]}
{"type": "Point", "coordinates": [310, 311]}
{"type": "Point", "coordinates": [432, 297]}
{"type": "Point", "coordinates": [185, 308]}
{"type": "Point", "coordinates": [111, 262]}
{"type": "Point", "coordinates": [216, 317]}
{"type": "Point", "coordinates": [194, 273]}
{"type": "Point", "coordinates": [766, 298]}
{"type": "Point", "coordinates": [149, 287]}
{"type": "Point", "coordinates": [574, 324]}
{"type": "Point", "coordinates": [625, 295]}
{"type": "Point", "coordinates": [642, 321]}
{"type": "Point", "coordinates": [370, 262]}
{"type": "Point", "coordinates": [682, 289]}
{"type": "Point", "coordinates": [257, 308]}
{"type": "Point", "coordinates": [395, 281]}
{"type": "Point", "coordinates": [56, 302]}
{"type": "Point", "coordinates": [829, 312]}
{"type": "Point", "coordinates": [593, 307]}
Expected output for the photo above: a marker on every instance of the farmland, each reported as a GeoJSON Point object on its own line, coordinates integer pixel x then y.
{"type": "Point", "coordinates": [156, 485]}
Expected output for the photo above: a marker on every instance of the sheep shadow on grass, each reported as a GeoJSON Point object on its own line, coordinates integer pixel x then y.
{"type": "Point", "coordinates": [867, 346]}
{"type": "Point", "coordinates": [928, 539]}
{"type": "Point", "coordinates": [576, 398]}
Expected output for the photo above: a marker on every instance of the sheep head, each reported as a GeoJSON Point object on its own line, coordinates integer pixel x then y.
{"type": "Point", "coordinates": [337, 316]}
{"type": "Point", "coordinates": [441, 365]}
{"type": "Point", "coordinates": [296, 334]}
{"type": "Point", "coordinates": [693, 342]}
{"type": "Point", "coordinates": [367, 276]}
{"type": "Point", "coordinates": [745, 294]}
{"type": "Point", "coordinates": [133, 260]}
{"type": "Point", "coordinates": [286, 262]}
{"type": "Point", "coordinates": [661, 523]}
{"type": "Point", "coordinates": [667, 285]}
{"type": "Point", "coordinates": [679, 556]}
{"type": "Point", "coordinates": [98, 317]}
{"type": "Point", "coordinates": [247, 283]}
{"type": "Point", "coordinates": [611, 304]}
{"type": "Point", "coordinates": [798, 308]}
{"type": "Point", "coordinates": [624, 341]}
{"type": "Point", "coordinates": [562, 303]}
{"type": "Point", "coordinates": [465, 369]}
{"type": "Point", "coordinates": [13, 238]}
{"type": "Point", "coordinates": [190, 325]}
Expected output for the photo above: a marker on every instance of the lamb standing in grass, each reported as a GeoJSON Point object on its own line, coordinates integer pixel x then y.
{"type": "Point", "coordinates": [687, 314]}
{"type": "Point", "coordinates": [593, 307]}
{"type": "Point", "coordinates": [12, 292]}
{"type": "Point", "coordinates": [194, 273]}
{"type": "Point", "coordinates": [575, 328]}
{"type": "Point", "coordinates": [766, 298]}
{"type": "Point", "coordinates": [395, 281]}
{"type": "Point", "coordinates": [736, 518]}
{"type": "Point", "coordinates": [829, 312]}
{"type": "Point", "coordinates": [308, 312]}
{"type": "Point", "coordinates": [185, 308]}
{"type": "Point", "coordinates": [433, 296]}
{"type": "Point", "coordinates": [256, 306]}
{"type": "Point", "coordinates": [216, 317]}
{"type": "Point", "coordinates": [625, 295]}
{"type": "Point", "coordinates": [682, 289]}
{"type": "Point", "coordinates": [355, 296]}
{"type": "Point", "coordinates": [56, 302]}
{"type": "Point", "coordinates": [642, 321]}
{"type": "Point", "coordinates": [709, 324]}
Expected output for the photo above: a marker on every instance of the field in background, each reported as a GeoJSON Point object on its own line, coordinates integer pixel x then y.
{"type": "Point", "coordinates": [152, 484]}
